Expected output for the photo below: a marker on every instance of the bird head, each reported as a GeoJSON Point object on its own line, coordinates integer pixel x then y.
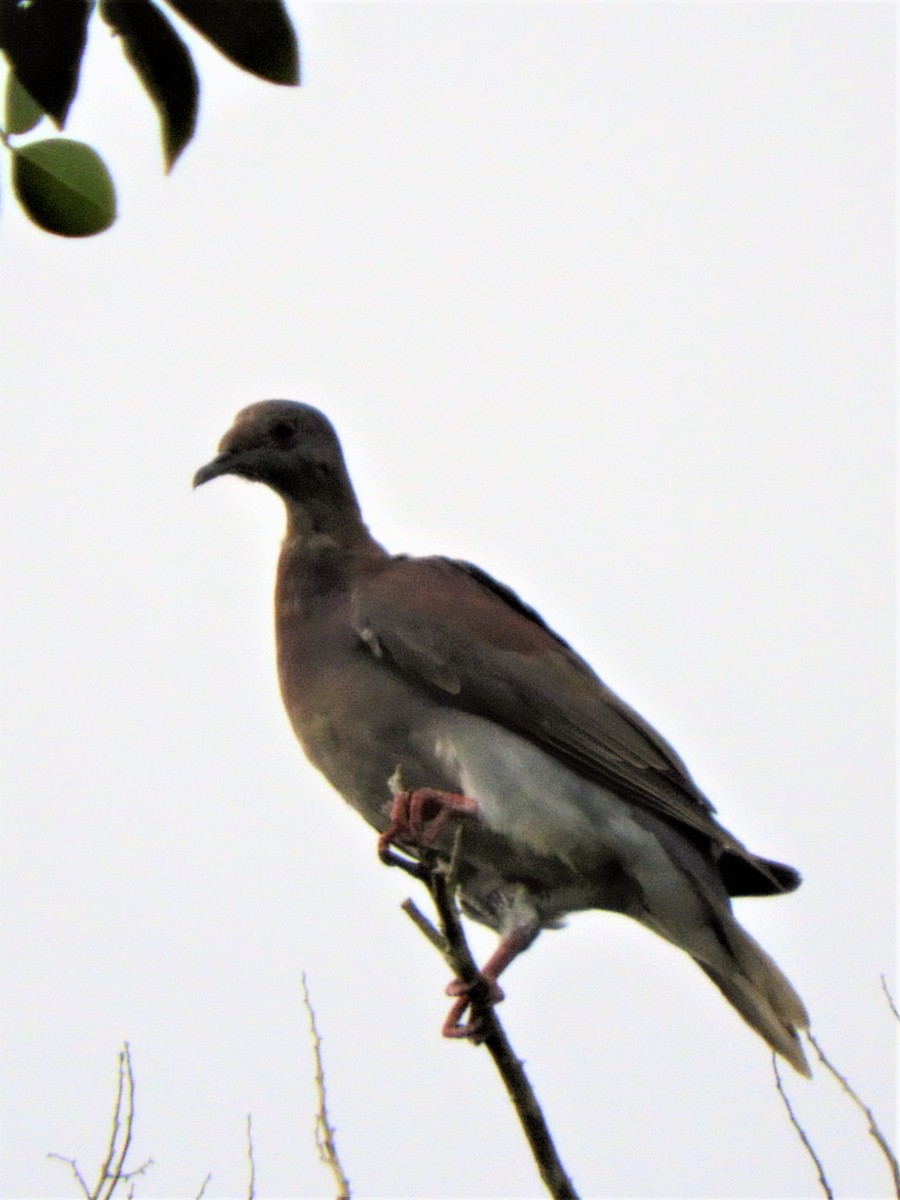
{"type": "Point", "coordinates": [294, 449]}
{"type": "Point", "coordinates": [289, 446]}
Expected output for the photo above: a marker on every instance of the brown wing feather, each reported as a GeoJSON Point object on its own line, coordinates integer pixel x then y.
{"type": "Point", "coordinates": [455, 630]}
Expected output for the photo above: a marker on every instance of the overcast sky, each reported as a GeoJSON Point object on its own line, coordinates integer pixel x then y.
{"type": "Point", "coordinates": [599, 297]}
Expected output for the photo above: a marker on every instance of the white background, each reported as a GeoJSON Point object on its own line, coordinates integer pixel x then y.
{"type": "Point", "coordinates": [598, 296]}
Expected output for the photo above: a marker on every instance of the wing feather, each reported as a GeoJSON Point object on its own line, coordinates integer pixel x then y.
{"type": "Point", "coordinates": [453, 629]}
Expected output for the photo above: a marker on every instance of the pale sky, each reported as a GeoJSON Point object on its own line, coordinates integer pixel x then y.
{"type": "Point", "coordinates": [599, 297]}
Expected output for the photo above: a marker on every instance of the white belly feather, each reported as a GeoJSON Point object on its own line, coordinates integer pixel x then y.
{"type": "Point", "coordinates": [530, 797]}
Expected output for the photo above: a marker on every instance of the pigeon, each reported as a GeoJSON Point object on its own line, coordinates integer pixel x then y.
{"type": "Point", "coordinates": [434, 700]}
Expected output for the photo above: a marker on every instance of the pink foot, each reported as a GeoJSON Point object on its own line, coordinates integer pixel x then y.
{"type": "Point", "coordinates": [421, 816]}
{"type": "Point", "coordinates": [518, 939]}
{"type": "Point", "coordinates": [453, 1026]}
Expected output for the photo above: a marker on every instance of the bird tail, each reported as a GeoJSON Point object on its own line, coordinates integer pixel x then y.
{"type": "Point", "coordinates": [762, 994]}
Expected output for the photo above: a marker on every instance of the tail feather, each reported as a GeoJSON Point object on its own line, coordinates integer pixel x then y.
{"type": "Point", "coordinates": [762, 994]}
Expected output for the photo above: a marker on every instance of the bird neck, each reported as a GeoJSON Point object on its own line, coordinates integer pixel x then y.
{"type": "Point", "coordinates": [314, 519]}
{"type": "Point", "coordinates": [322, 554]}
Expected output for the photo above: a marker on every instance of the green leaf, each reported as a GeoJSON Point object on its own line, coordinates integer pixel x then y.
{"type": "Point", "coordinates": [44, 41]}
{"type": "Point", "coordinates": [21, 111]}
{"type": "Point", "coordinates": [163, 64]}
{"type": "Point", "coordinates": [64, 187]}
{"type": "Point", "coordinates": [255, 34]}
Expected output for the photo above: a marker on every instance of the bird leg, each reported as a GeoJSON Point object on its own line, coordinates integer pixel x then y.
{"type": "Point", "coordinates": [485, 990]}
{"type": "Point", "coordinates": [420, 817]}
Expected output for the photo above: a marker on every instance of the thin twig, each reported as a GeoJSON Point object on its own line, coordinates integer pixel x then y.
{"type": "Point", "coordinates": [874, 1128]}
{"type": "Point", "coordinates": [251, 1186]}
{"type": "Point", "coordinates": [392, 859]}
{"type": "Point", "coordinates": [451, 942]}
{"type": "Point", "coordinates": [130, 1176]}
{"type": "Point", "coordinates": [890, 998]}
{"type": "Point", "coordinates": [207, 1180]}
{"type": "Point", "coordinates": [98, 1193]}
{"type": "Point", "coordinates": [141, 1170]}
{"type": "Point", "coordinates": [110, 1176]}
{"type": "Point", "coordinates": [74, 1165]}
{"type": "Point", "coordinates": [801, 1132]}
{"type": "Point", "coordinates": [326, 1142]}
{"type": "Point", "coordinates": [126, 1073]}
{"type": "Point", "coordinates": [422, 923]}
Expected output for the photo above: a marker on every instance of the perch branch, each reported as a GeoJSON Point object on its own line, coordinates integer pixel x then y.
{"type": "Point", "coordinates": [451, 942]}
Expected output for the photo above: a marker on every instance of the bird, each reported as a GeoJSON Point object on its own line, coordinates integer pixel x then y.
{"type": "Point", "coordinates": [435, 700]}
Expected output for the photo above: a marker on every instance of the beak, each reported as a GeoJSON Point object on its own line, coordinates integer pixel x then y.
{"type": "Point", "coordinates": [220, 465]}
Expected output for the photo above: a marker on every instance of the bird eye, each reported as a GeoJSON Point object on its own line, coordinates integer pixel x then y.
{"type": "Point", "coordinates": [283, 433]}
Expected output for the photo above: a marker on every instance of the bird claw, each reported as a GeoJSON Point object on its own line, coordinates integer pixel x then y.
{"type": "Point", "coordinates": [420, 817]}
{"type": "Point", "coordinates": [459, 987]}
{"type": "Point", "coordinates": [481, 993]}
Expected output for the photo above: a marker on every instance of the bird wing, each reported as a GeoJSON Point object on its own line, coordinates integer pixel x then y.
{"type": "Point", "coordinates": [451, 629]}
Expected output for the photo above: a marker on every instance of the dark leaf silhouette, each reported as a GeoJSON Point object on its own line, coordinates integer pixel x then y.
{"type": "Point", "coordinates": [43, 42]}
{"type": "Point", "coordinates": [63, 185]}
{"type": "Point", "coordinates": [163, 64]}
{"type": "Point", "coordinates": [257, 36]}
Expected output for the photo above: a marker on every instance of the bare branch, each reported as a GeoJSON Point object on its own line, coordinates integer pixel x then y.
{"type": "Point", "coordinates": [98, 1193]}
{"type": "Point", "coordinates": [251, 1186]}
{"type": "Point", "coordinates": [874, 1128]}
{"type": "Point", "coordinates": [206, 1181]}
{"type": "Point", "coordinates": [111, 1175]}
{"type": "Point", "coordinates": [141, 1170]}
{"type": "Point", "coordinates": [326, 1142]}
{"type": "Point", "coordinates": [74, 1165]}
{"type": "Point", "coordinates": [890, 998]}
{"type": "Point", "coordinates": [126, 1082]}
{"type": "Point", "coordinates": [392, 859]}
{"type": "Point", "coordinates": [422, 923]}
{"type": "Point", "coordinates": [452, 944]}
{"type": "Point", "coordinates": [130, 1176]}
{"type": "Point", "coordinates": [801, 1132]}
